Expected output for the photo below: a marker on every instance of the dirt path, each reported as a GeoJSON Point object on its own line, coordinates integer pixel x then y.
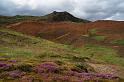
{"type": "Point", "coordinates": [112, 69]}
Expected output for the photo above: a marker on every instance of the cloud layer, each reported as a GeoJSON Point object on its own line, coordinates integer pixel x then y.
{"type": "Point", "coordinates": [87, 9]}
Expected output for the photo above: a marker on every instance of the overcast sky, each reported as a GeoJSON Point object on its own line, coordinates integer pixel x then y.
{"type": "Point", "coordinates": [87, 9]}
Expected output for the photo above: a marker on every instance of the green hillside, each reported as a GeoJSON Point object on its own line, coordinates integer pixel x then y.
{"type": "Point", "coordinates": [7, 20]}
{"type": "Point", "coordinates": [30, 59]}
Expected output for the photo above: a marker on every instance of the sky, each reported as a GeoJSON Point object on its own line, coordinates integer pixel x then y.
{"type": "Point", "coordinates": [86, 9]}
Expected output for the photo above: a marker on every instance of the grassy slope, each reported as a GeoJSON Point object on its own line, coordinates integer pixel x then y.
{"type": "Point", "coordinates": [6, 20]}
{"type": "Point", "coordinates": [101, 54]}
{"type": "Point", "coordinates": [32, 51]}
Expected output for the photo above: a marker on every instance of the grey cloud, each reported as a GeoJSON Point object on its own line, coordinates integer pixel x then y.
{"type": "Point", "coordinates": [5, 7]}
{"type": "Point", "coordinates": [88, 9]}
{"type": "Point", "coordinates": [101, 9]}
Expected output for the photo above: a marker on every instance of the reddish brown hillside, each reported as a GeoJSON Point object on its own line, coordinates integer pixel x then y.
{"type": "Point", "coordinates": [71, 33]}
{"type": "Point", "coordinates": [58, 30]}
{"type": "Point", "coordinates": [112, 29]}
{"type": "Point", "coordinates": [47, 30]}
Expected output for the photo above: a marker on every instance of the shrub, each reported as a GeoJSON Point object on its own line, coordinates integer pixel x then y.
{"type": "Point", "coordinates": [80, 59]}
{"type": "Point", "coordinates": [92, 32]}
{"type": "Point", "coordinates": [80, 67]}
{"type": "Point", "coordinates": [16, 74]}
{"type": "Point", "coordinates": [99, 38]}
{"type": "Point", "coordinates": [47, 67]}
{"type": "Point", "coordinates": [119, 42]}
{"type": "Point", "coordinates": [5, 67]}
{"type": "Point", "coordinates": [58, 62]}
{"type": "Point", "coordinates": [25, 68]}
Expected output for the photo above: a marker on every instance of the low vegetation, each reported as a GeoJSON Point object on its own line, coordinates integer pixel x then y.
{"type": "Point", "coordinates": [31, 59]}
{"type": "Point", "coordinates": [119, 42]}
{"type": "Point", "coordinates": [99, 38]}
{"type": "Point", "coordinates": [101, 54]}
{"type": "Point", "coordinates": [93, 35]}
{"type": "Point", "coordinates": [92, 32]}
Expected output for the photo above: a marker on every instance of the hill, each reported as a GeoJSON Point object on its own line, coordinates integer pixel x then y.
{"type": "Point", "coordinates": [23, 57]}
{"type": "Point", "coordinates": [62, 16]}
{"type": "Point", "coordinates": [51, 31]}
{"type": "Point", "coordinates": [52, 17]}
{"type": "Point", "coordinates": [26, 58]}
{"type": "Point", "coordinates": [109, 33]}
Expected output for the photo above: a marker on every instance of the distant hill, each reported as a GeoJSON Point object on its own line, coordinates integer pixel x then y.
{"type": "Point", "coordinates": [6, 20]}
{"type": "Point", "coordinates": [63, 16]}
{"type": "Point", "coordinates": [52, 17]}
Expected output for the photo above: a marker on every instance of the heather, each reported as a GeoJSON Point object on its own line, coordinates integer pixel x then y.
{"type": "Point", "coordinates": [51, 72]}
